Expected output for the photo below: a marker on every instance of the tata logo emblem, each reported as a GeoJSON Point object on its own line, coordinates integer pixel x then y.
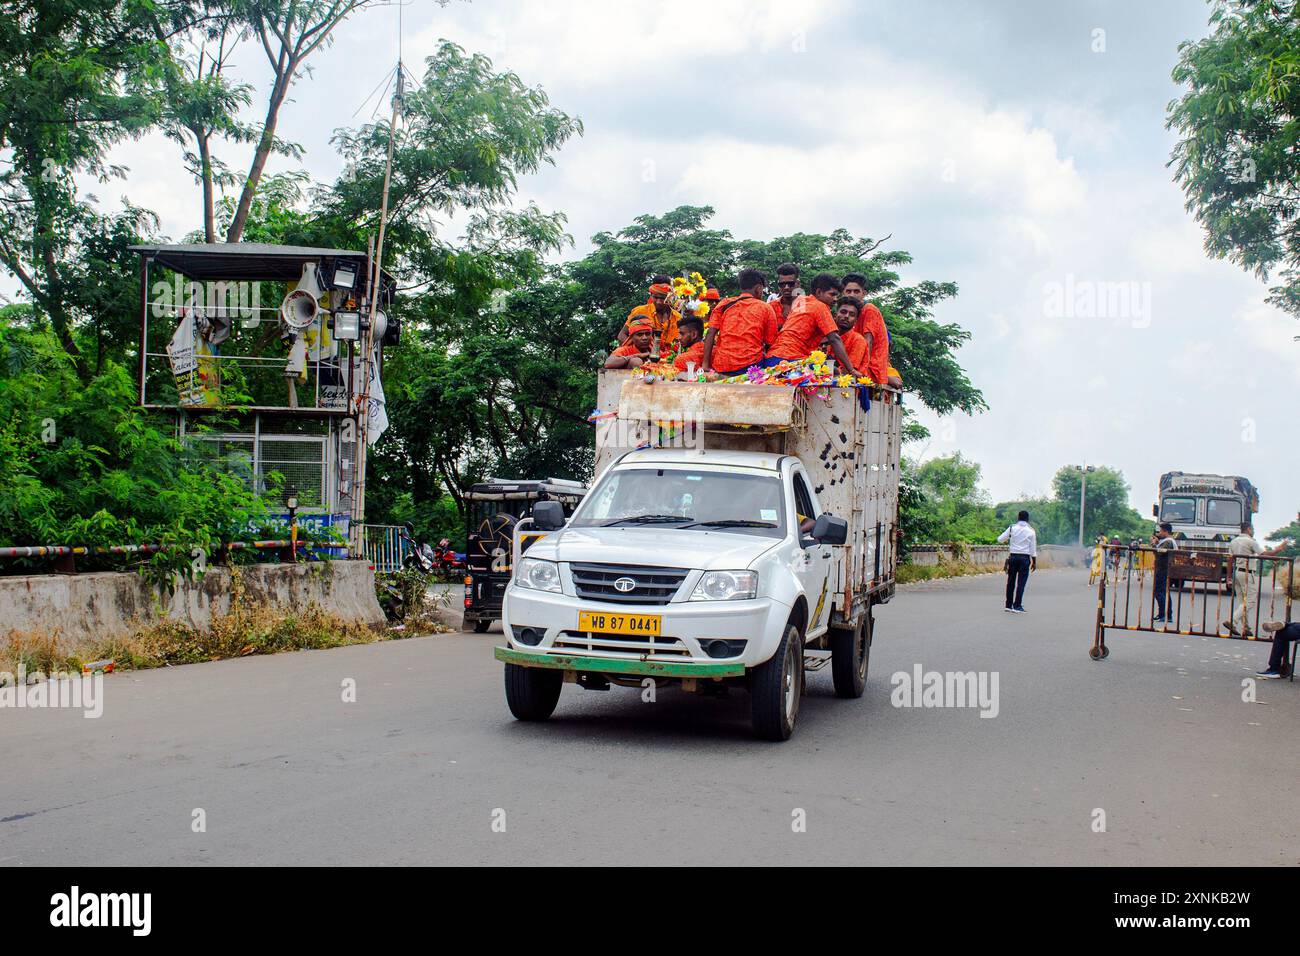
{"type": "Point", "coordinates": [623, 585]}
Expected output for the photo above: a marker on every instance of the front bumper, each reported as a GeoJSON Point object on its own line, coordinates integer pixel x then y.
{"type": "Point", "coordinates": [686, 625]}
{"type": "Point", "coordinates": [610, 665]}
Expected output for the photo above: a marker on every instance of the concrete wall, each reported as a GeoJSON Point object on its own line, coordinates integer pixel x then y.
{"type": "Point", "coordinates": [991, 556]}
{"type": "Point", "coordinates": [111, 602]}
{"type": "Point", "coordinates": [981, 555]}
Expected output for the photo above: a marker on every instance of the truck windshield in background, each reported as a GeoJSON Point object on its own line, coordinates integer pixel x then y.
{"type": "Point", "coordinates": [1182, 510]}
{"type": "Point", "coordinates": [1223, 511]}
{"type": "Point", "coordinates": [692, 499]}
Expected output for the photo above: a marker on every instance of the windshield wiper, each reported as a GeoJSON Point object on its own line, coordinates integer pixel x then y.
{"type": "Point", "coordinates": [643, 519]}
{"type": "Point", "coordinates": [732, 523]}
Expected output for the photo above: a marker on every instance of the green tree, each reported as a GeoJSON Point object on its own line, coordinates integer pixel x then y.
{"type": "Point", "coordinates": [1043, 515]}
{"type": "Point", "coordinates": [81, 465]}
{"type": "Point", "coordinates": [959, 508]}
{"type": "Point", "coordinates": [289, 32]}
{"type": "Point", "coordinates": [485, 376]}
{"type": "Point", "coordinates": [1239, 156]}
{"type": "Point", "coordinates": [203, 102]}
{"type": "Point", "coordinates": [1107, 508]}
{"type": "Point", "coordinates": [1290, 535]}
{"type": "Point", "coordinates": [76, 77]}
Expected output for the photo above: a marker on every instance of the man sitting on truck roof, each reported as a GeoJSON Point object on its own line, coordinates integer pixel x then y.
{"type": "Point", "coordinates": [871, 323]}
{"type": "Point", "coordinates": [690, 335]}
{"type": "Point", "coordinates": [847, 310]}
{"type": "Point", "coordinates": [808, 323]}
{"type": "Point", "coordinates": [636, 351]}
{"type": "Point", "coordinates": [663, 319]}
{"type": "Point", "coordinates": [739, 328]}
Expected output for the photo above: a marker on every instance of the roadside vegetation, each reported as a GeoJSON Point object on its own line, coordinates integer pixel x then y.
{"type": "Point", "coordinates": [910, 573]}
{"type": "Point", "coordinates": [166, 643]}
{"type": "Point", "coordinates": [247, 629]}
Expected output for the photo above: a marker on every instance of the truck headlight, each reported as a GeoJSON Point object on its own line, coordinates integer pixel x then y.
{"type": "Point", "coordinates": [726, 586]}
{"type": "Point", "coordinates": [538, 574]}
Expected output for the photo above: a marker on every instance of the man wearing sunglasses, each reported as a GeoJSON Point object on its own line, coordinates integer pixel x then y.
{"type": "Point", "coordinates": [787, 281]}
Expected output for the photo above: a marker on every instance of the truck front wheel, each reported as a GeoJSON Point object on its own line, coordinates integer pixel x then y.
{"type": "Point", "coordinates": [850, 655]}
{"type": "Point", "coordinates": [775, 688]}
{"type": "Point", "coordinates": [532, 692]}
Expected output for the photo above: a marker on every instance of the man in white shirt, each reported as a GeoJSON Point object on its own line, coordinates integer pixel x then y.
{"type": "Point", "coordinates": [1022, 543]}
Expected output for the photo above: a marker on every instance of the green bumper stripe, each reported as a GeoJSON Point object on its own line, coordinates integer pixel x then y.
{"type": "Point", "coordinates": [607, 665]}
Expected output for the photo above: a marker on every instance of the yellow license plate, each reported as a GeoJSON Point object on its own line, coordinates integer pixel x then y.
{"type": "Point", "coordinates": [602, 622]}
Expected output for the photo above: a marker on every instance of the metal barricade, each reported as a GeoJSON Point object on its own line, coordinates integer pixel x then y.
{"type": "Point", "coordinates": [385, 546]}
{"type": "Point", "coordinates": [1202, 594]}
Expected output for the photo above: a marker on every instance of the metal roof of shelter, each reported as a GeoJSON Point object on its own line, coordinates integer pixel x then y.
{"type": "Point", "coordinates": [248, 261]}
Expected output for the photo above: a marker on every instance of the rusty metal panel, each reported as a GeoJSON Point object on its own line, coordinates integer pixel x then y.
{"type": "Point", "coordinates": [1198, 566]}
{"type": "Point", "coordinates": [756, 405]}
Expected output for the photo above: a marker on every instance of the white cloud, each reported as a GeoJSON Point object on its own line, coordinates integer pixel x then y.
{"type": "Point", "coordinates": [1272, 333]}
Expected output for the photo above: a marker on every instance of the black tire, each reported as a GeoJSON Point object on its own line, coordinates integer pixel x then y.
{"type": "Point", "coordinates": [850, 658]}
{"type": "Point", "coordinates": [481, 627]}
{"type": "Point", "coordinates": [532, 692]}
{"type": "Point", "coordinates": [776, 687]}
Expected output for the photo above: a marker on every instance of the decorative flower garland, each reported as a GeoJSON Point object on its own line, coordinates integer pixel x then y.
{"type": "Point", "coordinates": [688, 294]}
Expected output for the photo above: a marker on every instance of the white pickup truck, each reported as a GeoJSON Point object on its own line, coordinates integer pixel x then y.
{"type": "Point", "coordinates": [757, 548]}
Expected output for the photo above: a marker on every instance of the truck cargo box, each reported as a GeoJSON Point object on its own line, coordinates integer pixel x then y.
{"type": "Point", "coordinates": [851, 453]}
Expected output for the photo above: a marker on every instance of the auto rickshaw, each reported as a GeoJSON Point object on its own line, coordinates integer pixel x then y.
{"type": "Point", "coordinates": [493, 507]}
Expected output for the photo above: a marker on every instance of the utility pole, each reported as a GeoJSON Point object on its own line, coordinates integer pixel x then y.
{"type": "Point", "coordinates": [1083, 490]}
{"type": "Point", "coordinates": [368, 333]}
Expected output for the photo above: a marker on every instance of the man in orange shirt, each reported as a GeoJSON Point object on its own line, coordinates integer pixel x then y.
{"type": "Point", "coordinates": [871, 323]}
{"type": "Point", "coordinates": [637, 350]}
{"type": "Point", "coordinates": [856, 347]}
{"type": "Point", "coordinates": [739, 328]}
{"type": "Point", "coordinates": [690, 336]}
{"type": "Point", "coordinates": [663, 319]}
{"type": "Point", "coordinates": [787, 280]}
{"type": "Point", "coordinates": [808, 323]}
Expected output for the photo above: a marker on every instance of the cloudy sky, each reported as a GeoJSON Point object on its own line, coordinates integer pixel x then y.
{"type": "Point", "coordinates": [1018, 149]}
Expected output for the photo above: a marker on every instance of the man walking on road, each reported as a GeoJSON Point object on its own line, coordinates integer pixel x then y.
{"type": "Point", "coordinates": [1022, 542]}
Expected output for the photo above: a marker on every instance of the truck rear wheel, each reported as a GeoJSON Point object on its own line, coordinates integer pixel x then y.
{"type": "Point", "coordinates": [775, 688]}
{"type": "Point", "coordinates": [532, 692]}
{"type": "Point", "coordinates": [481, 627]}
{"type": "Point", "coordinates": [850, 656]}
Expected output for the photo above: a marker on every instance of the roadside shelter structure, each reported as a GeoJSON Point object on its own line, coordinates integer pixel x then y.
{"type": "Point", "coordinates": [256, 351]}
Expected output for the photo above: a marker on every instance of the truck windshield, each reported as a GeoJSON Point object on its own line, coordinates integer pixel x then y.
{"type": "Point", "coordinates": [1223, 511]}
{"type": "Point", "coordinates": [689, 499]}
{"type": "Point", "coordinates": [1182, 510]}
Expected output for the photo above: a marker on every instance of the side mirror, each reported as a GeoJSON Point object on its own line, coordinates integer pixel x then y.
{"type": "Point", "coordinates": [1155, 511]}
{"type": "Point", "coordinates": [548, 516]}
{"type": "Point", "coordinates": [830, 530]}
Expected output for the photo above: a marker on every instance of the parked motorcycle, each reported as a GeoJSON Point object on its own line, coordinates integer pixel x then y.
{"type": "Point", "coordinates": [450, 563]}
{"type": "Point", "coordinates": [419, 556]}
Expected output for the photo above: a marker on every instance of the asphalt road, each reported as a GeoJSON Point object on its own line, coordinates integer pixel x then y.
{"type": "Point", "coordinates": [419, 767]}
